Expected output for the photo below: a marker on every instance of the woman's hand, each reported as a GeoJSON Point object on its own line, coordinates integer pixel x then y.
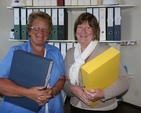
{"type": "Point", "coordinates": [39, 95]}
{"type": "Point", "coordinates": [78, 91]}
{"type": "Point", "coordinates": [46, 95]}
{"type": "Point", "coordinates": [94, 95]}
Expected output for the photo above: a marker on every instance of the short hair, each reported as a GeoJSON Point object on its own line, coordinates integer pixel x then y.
{"type": "Point", "coordinates": [92, 21]}
{"type": "Point", "coordinates": [39, 15]}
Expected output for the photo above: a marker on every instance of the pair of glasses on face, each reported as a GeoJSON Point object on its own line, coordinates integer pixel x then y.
{"type": "Point", "coordinates": [37, 28]}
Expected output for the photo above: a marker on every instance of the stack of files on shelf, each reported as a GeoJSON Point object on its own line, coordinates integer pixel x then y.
{"type": "Point", "coordinates": [39, 3]}
{"type": "Point", "coordinates": [59, 19]}
{"type": "Point", "coordinates": [60, 23]}
{"type": "Point", "coordinates": [109, 19]}
{"type": "Point", "coordinates": [46, 3]}
{"type": "Point", "coordinates": [100, 14]}
{"type": "Point", "coordinates": [28, 70]}
{"type": "Point", "coordinates": [113, 24]}
{"type": "Point", "coordinates": [80, 2]}
{"type": "Point", "coordinates": [101, 71]}
{"type": "Point", "coordinates": [20, 21]}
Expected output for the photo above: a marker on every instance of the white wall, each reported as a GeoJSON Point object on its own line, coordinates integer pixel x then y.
{"type": "Point", "coordinates": [130, 55]}
{"type": "Point", "coordinates": [6, 24]}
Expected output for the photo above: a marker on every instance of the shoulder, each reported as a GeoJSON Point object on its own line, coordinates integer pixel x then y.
{"type": "Point", "coordinates": [51, 47]}
{"type": "Point", "coordinates": [101, 47]}
{"type": "Point", "coordinates": [53, 51]}
{"type": "Point", "coordinates": [24, 46]}
{"type": "Point", "coordinates": [70, 50]}
{"type": "Point", "coordinates": [104, 46]}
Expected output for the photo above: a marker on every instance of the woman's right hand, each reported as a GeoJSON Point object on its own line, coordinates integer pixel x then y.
{"type": "Point", "coordinates": [35, 93]}
{"type": "Point", "coordinates": [78, 92]}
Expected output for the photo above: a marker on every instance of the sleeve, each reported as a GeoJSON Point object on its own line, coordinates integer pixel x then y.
{"type": "Point", "coordinates": [68, 59]}
{"type": "Point", "coordinates": [58, 68]}
{"type": "Point", "coordinates": [6, 63]}
{"type": "Point", "coordinates": [119, 86]}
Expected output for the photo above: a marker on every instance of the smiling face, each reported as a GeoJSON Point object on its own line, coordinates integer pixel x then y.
{"type": "Point", "coordinates": [86, 29]}
{"type": "Point", "coordinates": [39, 27]}
{"type": "Point", "coordinates": [84, 34]}
{"type": "Point", "coordinates": [38, 33]}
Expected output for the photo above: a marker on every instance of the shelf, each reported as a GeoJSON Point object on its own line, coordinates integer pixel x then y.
{"type": "Point", "coordinates": [122, 43]}
{"type": "Point", "coordinates": [78, 7]}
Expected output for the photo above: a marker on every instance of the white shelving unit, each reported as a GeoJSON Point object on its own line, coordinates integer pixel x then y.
{"type": "Point", "coordinates": [73, 9]}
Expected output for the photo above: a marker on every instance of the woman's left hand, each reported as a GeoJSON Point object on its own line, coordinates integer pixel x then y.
{"type": "Point", "coordinates": [94, 95]}
{"type": "Point", "coordinates": [44, 96]}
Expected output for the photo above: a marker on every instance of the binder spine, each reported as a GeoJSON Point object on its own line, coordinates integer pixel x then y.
{"type": "Point", "coordinates": [117, 23]}
{"type": "Point", "coordinates": [17, 24]}
{"type": "Point", "coordinates": [110, 27]}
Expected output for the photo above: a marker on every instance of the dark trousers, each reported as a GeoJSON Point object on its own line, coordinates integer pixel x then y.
{"type": "Point", "coordinates": [77, 110]}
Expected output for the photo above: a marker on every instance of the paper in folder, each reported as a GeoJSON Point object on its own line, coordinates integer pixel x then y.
{"type": "Point", "coordinates": [28, 70]}
{"type": "Point", "coordinates": [101, 71]}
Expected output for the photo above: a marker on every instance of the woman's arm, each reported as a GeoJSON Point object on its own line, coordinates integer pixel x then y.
{"type": "Point", "coordinates": [58, 86]}
{"type": "Point", "coordinates": [9, 88]}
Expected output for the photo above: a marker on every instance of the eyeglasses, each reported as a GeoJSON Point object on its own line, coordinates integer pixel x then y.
{"type": "Point", "coordinates": [37, 28]}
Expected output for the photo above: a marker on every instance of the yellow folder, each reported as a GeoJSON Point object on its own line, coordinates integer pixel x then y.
{"type": "Point", "coordinates": [101, 71]}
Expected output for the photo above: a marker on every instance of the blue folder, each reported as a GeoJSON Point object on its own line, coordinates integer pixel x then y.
{"type": "Point", "coordinates": [28, 70]}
